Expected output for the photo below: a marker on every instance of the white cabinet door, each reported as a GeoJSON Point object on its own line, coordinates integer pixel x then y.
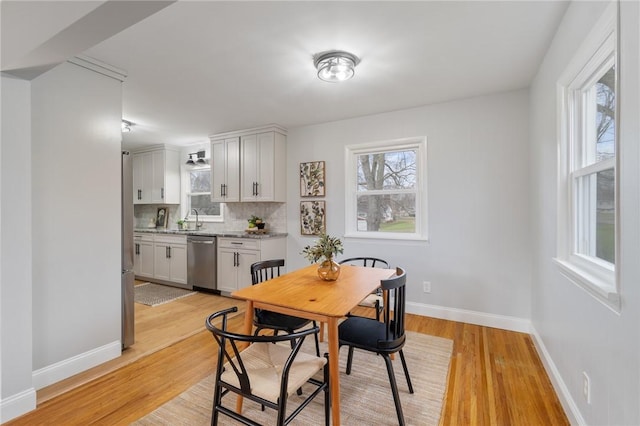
{"type": "Point", "coordinates": [142, 177]}
{"type": "Point", "coordinates": [227, 272]}
{"type": "Point", "coordinates": [143, 259]}
{"type": "Point", "coordinates": [245, 259]}
{"type": "Point", "coordinates": [178, 263]}
{"type": "Point", "coordinates": [162, 262]}
{"type": "Point", "coordinates": [266, 163]}
{"type": "Point", "coordinates": [250, 153]}
{"type": "Point", "coordinates": [225, 175]}
{"type": "Point", "coordinates": [157, 178]}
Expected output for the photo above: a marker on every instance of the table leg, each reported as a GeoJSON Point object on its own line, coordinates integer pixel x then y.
{"type": "Point", "coordinates": [248, 328]}
{"type": "Point", "coordinates": [334, 370]}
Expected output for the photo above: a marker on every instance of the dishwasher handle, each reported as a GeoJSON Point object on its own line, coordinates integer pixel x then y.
{"type": "Point", "coordinates": [200, 242]}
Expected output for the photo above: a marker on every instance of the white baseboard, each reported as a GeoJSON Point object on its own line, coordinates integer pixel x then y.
{"type": "Point", "coordinates": [568, 403]}
{"type": "Point", "coordinates": [61, 370]}
{"type": "Point", "coordinates": [472, 317]}
{"type": "Point", "coordinates": [17, 405]}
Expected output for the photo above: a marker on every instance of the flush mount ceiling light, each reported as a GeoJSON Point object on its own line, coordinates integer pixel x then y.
{"type": "Point", "coordinates": [126, 126]}
{"type": "Point", "coordinates": [335, 66]}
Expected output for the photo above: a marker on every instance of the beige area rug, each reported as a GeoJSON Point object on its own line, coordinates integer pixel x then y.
{"type": "Point", "coordinates": [366, 397]}
{"type": "Point", "coordinates": [156, 294]}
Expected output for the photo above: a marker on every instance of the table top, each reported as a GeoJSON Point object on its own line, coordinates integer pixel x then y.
{"type": "Point", "coordinates": [303, 290]}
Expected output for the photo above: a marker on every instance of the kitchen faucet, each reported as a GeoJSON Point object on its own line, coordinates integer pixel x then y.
{"type": "Point", "coordinates": [198, 224]}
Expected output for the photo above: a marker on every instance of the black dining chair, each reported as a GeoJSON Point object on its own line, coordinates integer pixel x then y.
{"type": "Point", "coordinates": [374, 300]}
{"type": "Point", "coordinates": [263, 319]}
{"type": "Point", "coordinates": [264, 372]}
{"type": "Point", "coordinates": [383, 338]}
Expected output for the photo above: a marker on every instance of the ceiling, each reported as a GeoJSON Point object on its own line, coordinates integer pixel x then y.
{"type": "Point", "coordinates": [197, 68]}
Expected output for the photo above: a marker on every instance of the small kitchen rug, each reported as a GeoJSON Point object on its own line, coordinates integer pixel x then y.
{"type": "Point", "coordinates": [156, 294]}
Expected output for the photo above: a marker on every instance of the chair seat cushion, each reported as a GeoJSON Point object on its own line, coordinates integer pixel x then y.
{"type": "Point", "coordinates": [368, 334]}
{"type": "Point", "coordinates": [370, 301]}
{"type": "Point", "coordinates": [264, 363]}
{"type": "Point", "coordinates": [280, 321]}
{"type": "Point", "coordinates": [361, 332]}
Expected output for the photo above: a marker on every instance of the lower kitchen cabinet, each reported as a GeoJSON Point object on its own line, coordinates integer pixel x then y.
{"type": "Point", "coordinates": [162, 258]}
{"type": "Point", "coordinates": [143, 255]}
{"type": "Point", "coordinates": [170, 259]}
{"type": "Point", "coordinates": [235, 256]}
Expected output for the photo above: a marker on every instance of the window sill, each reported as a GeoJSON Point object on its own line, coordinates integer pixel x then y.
{"type": "Point", "coordinates": [600, 289]}
{"type": "Point", "coordinates": [385, 237]}
{"type": "Point", "coordinates": [205, 219]}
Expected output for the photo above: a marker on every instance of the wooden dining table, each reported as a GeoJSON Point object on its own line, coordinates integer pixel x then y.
{"type": "Point", "coordinates": [303, 294]}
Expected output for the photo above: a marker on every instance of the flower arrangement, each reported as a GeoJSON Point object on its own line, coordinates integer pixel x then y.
{"type": "Point", "coordinates": [324, 249]}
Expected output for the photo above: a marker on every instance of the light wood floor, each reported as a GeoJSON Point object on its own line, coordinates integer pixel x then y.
{"type": "Point", "coordinates": [495, 378]}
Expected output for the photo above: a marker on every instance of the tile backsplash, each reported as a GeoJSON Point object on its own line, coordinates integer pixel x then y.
{"type": "Point", "coordinates": [235, 216]}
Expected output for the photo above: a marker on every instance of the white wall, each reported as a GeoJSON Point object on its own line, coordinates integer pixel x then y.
{"type": "Point", "coordinates": [76, 179]}
{"type": "Point", "coordinates": [16, 392]}
{"type": "Point", "coordinates": [478, 254]}
{"type": "Point", "coordinates": [576, 332]}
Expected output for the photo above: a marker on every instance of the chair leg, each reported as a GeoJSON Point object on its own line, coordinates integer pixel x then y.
{"type": "Point", "coordinates": [406, 371]}
{"type": "Point", "coordinates": [349, 360]}
{"type": "Point", "coordinates": [394, 389]}
{"type": "Point", "coordinates": [217, 396]}
{"type": "Point", "coordinates": [327, 396]}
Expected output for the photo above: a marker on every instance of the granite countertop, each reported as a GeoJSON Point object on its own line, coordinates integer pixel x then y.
{"type": "Point", "coordinates": [207, 233]}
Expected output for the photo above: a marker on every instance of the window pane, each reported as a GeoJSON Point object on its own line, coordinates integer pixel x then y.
{"type": "Point", "coordinates": [387, 170]}
{"type": "Point", "coordinates": [605, 116]}
{"type": "Point", "coordinates": [596, 215]}
{"type": "Point", "coordinates": [200, 180]}
{"type": "Point", "coordinates": [605, 216]}
{"type": "Point", "coordinates": [204, 205]}
{"type": "Point", "coordinates": [387, 213]}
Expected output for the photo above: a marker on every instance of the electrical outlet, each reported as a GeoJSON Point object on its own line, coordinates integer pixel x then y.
{"type": "Point", "coordinates": [586, 387]}
{"type": "Point", "coordinates": [426, 286]}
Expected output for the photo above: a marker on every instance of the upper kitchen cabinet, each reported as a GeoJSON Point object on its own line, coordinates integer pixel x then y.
{"type": "Point", "coordinates": [225, 169]}
{"type": "Point", "coordinates": [156, 176]}
{"type": "Point", "coordinates": [251, 165]}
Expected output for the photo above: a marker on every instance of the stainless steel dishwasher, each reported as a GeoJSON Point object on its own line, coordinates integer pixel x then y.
{"type": "Point", "coordinates": [201, 262]}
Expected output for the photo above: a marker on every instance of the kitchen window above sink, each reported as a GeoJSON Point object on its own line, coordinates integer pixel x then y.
{"type": "Point", "coordinates": [197, 195]}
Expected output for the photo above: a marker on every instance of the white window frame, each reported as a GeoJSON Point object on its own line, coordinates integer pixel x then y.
{"type": "Point", "coordinates": [598, 52]}
{"type": "Point", "coordinates": [419, 144]}
{"type": "Point", "coordinates": [185, 205]}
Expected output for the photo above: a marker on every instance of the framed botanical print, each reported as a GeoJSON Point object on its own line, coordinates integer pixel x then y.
{"type": "Point", "coordinates": [312, 217]}
{"type": "Point", "coordinates": [312, 179]}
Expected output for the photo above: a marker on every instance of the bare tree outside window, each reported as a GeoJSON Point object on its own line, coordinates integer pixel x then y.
{"type": "Point", "coordinates": [386, 200]}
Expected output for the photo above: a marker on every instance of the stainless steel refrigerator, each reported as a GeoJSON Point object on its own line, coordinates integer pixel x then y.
{"type": "Point", "coordinates": [128, 276]}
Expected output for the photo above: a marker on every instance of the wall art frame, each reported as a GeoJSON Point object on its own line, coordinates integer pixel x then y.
{"type": "Point", "coordinates": [162, 217]}
{"type": "Point", "coordinates": [312, 217]}
{"type": "Point", "coordinates": [312, 179]}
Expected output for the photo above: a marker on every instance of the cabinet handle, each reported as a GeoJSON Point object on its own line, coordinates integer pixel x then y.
{"type": "Point", "coordinates": [162, 193]}
{"type": "Point", "coordinates": [225, 189]}
{"type": "Point", "coordinates": [137, 248]}
{"type": "Point", "coordinates": [255, 188]}
{"type": "Point", "coordinates": [139, 194]}
{"type": "Point", "coordinates": [167, 253]}
{"type": "Point", "coordinates": [236, 259]}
